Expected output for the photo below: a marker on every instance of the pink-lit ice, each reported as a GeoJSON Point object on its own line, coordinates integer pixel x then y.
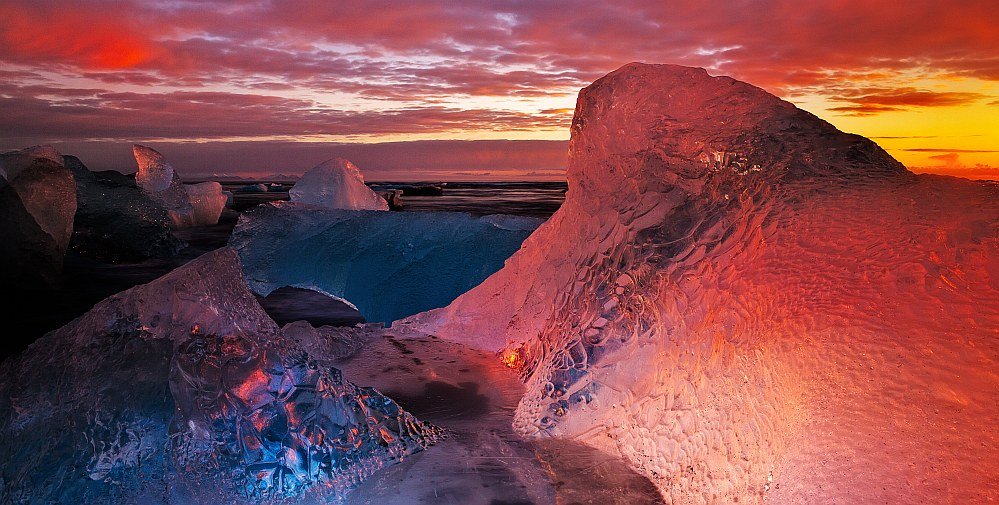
{"type": "Point", "coordinates": [747, 304]}
{"type": "Point", "coordinates": [187, 204]}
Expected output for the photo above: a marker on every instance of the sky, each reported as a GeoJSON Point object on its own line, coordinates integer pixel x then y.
{"type": "Point", "coordinates": [471, 89]}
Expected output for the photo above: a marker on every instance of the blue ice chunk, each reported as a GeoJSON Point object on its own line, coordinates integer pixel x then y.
{"type": "Point", "coordinates": [388, 264]}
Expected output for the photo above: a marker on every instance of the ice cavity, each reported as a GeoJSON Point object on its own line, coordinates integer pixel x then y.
{"type": "Point", "coordinates": [336, 184]}
{"type": "Point", "coordinates": [747, 304]}
{"type": "Point", "coordinates": [188, 204]}
{"type": "Point", "coordinates": [388, 265]}
{"type": "Point", "coordinates": [184, 391]}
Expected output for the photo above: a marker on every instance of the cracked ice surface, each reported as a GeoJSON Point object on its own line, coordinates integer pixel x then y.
{"type": "Point", "coordinates": [387, 264]}
{"type": "Point", "coordinates": [183, 390]}
{"type": "Point", "coordinates": [746, 304]}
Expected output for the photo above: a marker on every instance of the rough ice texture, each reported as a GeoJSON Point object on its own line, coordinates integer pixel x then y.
{"type": "Point", "coordinates": [747, 304]}
{"type": "Point", "coordinates": [154, 174]}
{"type": "Point", "coordinates": [184, 391]}
{"type": "Point", "coordinates": [187, 204]}
{"type": "Point", "coordinates": [37, 204]}
{"type": "Point", "coordinates": [387, 264]}
{"type": "Point", "coordinates": [336, 184]}
{"type": "Point", "coordinates": [115, 220]}
{"type": "Point", "coordinates": [208, 200]}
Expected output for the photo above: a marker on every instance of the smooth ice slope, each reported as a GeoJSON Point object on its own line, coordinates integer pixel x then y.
{"type": "Point", "coordinates": [336, 184]}
{"type": "Point", "coordinates": [388, 265]}
{"type": "Point", "coordinates": [747, 304]}
{"type": "Point", "coordinates": [184, 391]}
{"type": "Point", "coordinates": [37, 204]}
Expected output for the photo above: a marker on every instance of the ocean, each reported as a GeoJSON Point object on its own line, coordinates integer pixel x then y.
{"type": "Point", "coordinates": [534, 199]}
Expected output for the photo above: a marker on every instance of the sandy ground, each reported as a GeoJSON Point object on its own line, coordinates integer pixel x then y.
{"type": "Point", "coordinates": [473, 396]}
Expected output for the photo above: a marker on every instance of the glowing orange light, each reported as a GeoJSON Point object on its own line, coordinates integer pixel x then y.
{"type": "Point", "coordinates": [511, 358]}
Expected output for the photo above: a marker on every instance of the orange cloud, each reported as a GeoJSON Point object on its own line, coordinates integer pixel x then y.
{"type": "Point", "coordinates": [88, 40]}
{"type": "Point", "coordinates": [868, 101]}
{"type": "Point", "coordinates": [949, 160]}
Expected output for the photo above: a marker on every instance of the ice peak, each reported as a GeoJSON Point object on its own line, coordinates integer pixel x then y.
{"type": "Point", "coordinates": [681, 121]}
{"type": "Point", "coordinates": [336, 184]}
{"type": "Point", "coordinates": [154, 174]}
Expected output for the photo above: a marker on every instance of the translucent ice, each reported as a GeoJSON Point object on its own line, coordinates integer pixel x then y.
{"type": "Point", "coordinates": [208, 200]}
{"type": "Point", "coordinates": [187, 204]}
{"type": "Point", "coordinates": [336, 184]}
{"type": "Point", "coordinates": [37, 204]}
{"type": "Point", "coordinates": [184, 391]}
{"type": "Point", "coordinates": [746, 303]}
{"type": "Point", "coordinates": [154, 174]}
{"type": "Point", "coordinates": [388, 265]}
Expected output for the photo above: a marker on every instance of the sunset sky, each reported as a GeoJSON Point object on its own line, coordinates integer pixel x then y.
{"type": "Point", "coordinates": [277, 86]}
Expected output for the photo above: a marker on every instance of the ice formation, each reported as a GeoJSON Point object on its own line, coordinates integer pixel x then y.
{"type": "Point", "coordinates": [746, 303]}
{"type": "Point", "coordinates": [115, 220]}
{"type": "Point", "coordinates": [387, 264]}
{"type": "Point", "coordinates": [37, 204]}
{"type": "Point", "coordinates": [336, 184]}
{"type": "Point", "coordinates": [184, 391]}
{"type": "Point", "coordinates": [187, 204]}
{"type": "Point", "coordinates": [208, 200]}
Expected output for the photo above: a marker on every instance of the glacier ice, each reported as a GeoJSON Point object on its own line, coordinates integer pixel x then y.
{"type": "Point", "coordinates": [387, 264]}
{"type": "Point", "coordinates": [37, 204]}
{"type": "Point", "coordinates": [115, 220]}
{"type": "Point", "coordinates": [747, 304]}
{"type": "Point", "coordinates": [187, 204]}
{"type": "Point", "coordinates": [336, 184]}
{"type": "Point", "coordinates": [184, 391]}
{"type": "Point", "coordinates": [208, 200]}
{"type": "Point", "coordinates": [154, 174]}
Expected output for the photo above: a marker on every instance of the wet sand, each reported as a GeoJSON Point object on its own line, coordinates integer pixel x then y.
{"type": "Point", "coordinates": [472, 395]}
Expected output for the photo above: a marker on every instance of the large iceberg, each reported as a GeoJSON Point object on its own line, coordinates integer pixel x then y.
{"type": "Point", "coordinates": [336, 184]}
{"type": "Point", "coordinates": [115, 220]}
{"type": "Point", "coordinates": [747, 304]}
{"type": "Point", "coordinates": [187, 204]}
{"type": "Point", "coordinates": [184, 391]}
{"type": "Point", "coordinates": [387, 264]}
{"type": "Point", "coordinates": [37, 204]}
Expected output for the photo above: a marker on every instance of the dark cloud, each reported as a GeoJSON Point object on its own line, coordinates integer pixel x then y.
{"type": "Point", "coordinates": [902, 137]}
{"type": "Point", "coordinates": [946, 150]}
{"type": "Point", "coordinates": [867, 101]}
{"type": "Point", "coordinates": [46, 114]}
{"type": "Point", "coordinates": [386, 160]}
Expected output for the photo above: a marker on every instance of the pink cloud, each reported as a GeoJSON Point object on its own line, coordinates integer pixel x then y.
{"type": "Point", "coordinates": [413, 55]}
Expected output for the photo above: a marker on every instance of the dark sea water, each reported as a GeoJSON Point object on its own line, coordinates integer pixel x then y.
{"type": "Point", "coordinates": [29, 313]}
{"type": "Point", "coordinates": [534, 199]}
